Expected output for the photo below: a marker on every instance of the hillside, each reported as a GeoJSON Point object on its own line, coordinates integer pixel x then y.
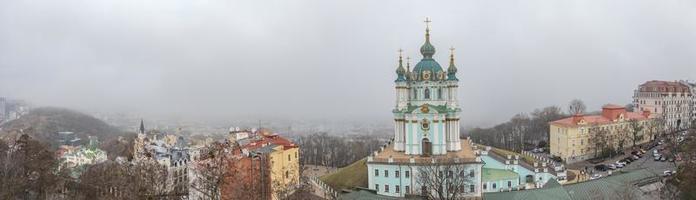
{"type": "Point", "coordinates": [43, 124]}
{"type": "Point", "coordinates": [353, 175]}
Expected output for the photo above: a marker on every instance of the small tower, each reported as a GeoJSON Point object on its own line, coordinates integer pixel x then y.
{"type": "Point", "coordinates": [401, 85]}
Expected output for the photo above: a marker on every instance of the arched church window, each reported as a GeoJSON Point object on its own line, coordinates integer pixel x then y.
{"type": "Point", "coordinates": [415, 93]}
{"type": "Point", "coordinates": [439, 93]}
{"type": "Point", "coordinates": [427, 93]}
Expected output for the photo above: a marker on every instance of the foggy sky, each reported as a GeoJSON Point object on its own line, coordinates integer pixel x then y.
{"type": "Point", "coordinates": [335, 60]}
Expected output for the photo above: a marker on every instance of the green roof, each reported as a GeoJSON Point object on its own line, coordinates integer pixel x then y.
{"type": "Point", "coordinates": [611, 187]}
{"type": "Point", "coordinates": [490, 174]}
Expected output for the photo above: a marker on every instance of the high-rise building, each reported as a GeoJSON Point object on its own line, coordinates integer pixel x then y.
{"type": "Point", "coordinates": [426, 133]}
{"type": "Point", "coordinates": [669, 100]}
{"type": "Point", "coordinates": [3, 109]}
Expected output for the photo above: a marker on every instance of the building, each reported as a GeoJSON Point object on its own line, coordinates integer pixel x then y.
{"type": "Point", "coordinates": [77, 158]}
{"type": "Point", "coordinates": [3, 109]}
{"type": "Point", "coordinates": [573, 139]}
{"type": "Point", "coordinates": [263, 162]}
{"type": "Point", "coordinates": [638, 184]}
{"type": "Point", "coordinates": [169, 151]}
{"type": "Point", "coordinates": [692, 106]}
{"type": "Point", "coordinates": [668, 100]}
{"type": "Point", "coordinates": [426, 133]}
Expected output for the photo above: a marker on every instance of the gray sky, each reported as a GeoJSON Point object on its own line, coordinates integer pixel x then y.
{"type": "Point", "coordinates": [330, 59]}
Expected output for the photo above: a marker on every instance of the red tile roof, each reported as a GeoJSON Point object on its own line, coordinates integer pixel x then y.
{"type": "Point", "coordinates": [663, 86]}
{"type": "Point", "coordinates": [610, 113]}
{"type": "Point", "coordinates": [268, 140]}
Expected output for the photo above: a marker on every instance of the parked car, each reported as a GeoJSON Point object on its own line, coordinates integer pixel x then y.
{"type": "Point", "coordinates": [601, 167]}
{"type": "Point", "coordinates": [663, 159]}
{"type": "Point", "coordinates": [642, 151]}
{"type": "Point", "coordinates": [657, 158]}
{"type": "Point", "coordinates": [635, 157]}
{"type": "Point", "coordinates": [620, 162]}
{"type": "Point", "coordinates": [670, 159]}
{"type": "Point", "coordinates": [595, 176]}
{"type": "Point", "coordinates": [611, 166]}
{"type": "Point", "coordinates": [620, 165]}
{"type": "Point", "coordinates": [668, 173]}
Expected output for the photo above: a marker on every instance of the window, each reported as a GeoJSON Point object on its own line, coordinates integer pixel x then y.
{"type": "Point", "coordinates": [494, 185]}
{"type": "Point", "coordinates": [439, 173]}
{"type": "Point", "coordinates": [485, 186]}
{"type": "Point", "coordinates": [396, 189]}
{"type": "Point", "coordinates": [449, 174]}
{"type": "Point", "coordinates": [471, 188]}
{"type": "Point", "coordinates": [386, 173]}
{"type": "Point", "coordinates": [439, 93]}
{"type": "Point", "coordinates": [427, 93]}
{"type": "Point", "coordinates": [295, 154]}
{"type": "Point", "coordinates": [287, 174]}
{"type": "Point", "coordinates": [386, 188]}
{"type": "Point", "coordinates": [396, 174]}
{"type": "Point", "coordinates": [377, 187]}
{"type": "Point", "coordinates": [288, 157]}
{"type": "Point", "coordinates": [471, 173]}
{"type": "Point", "coordinates": [407, 175]}
{"type": "Point", "coordinates": [408, 189]}
{"type": "Point", "coordinates": [415, 93]}
{"type": "Point", "coordinates": [509, 184]}
{"type": "Point", "coordinates": [376, 172]}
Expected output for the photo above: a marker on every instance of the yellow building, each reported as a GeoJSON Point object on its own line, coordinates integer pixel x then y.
{"type": "Point", "coordinates": [285, 170]}
{"type": "Point", "coordinates": [576, 138]}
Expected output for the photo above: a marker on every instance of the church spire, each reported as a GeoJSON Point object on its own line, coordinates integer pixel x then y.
{"type": "Point", "coordinates": [142, 126]}
{"type": "Point", "coordinates": [400, 70]}
{"type": "Point", "coordinates": [452, 70]}
{"type": "Point", "coordinates": [427, 50]}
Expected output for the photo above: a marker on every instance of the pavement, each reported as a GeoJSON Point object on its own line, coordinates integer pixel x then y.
{"type": "Point", "coordinates": [645, 162]}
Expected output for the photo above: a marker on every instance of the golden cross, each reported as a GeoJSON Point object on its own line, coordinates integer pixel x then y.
{"type": "Point", "coordinates": [451, 50]}
{"type": "Point", "coordinates": [427, 22]}
{"type": "Point", "coordinates": [408, 59]}
{"type": "Point", "coordinates": [400, 51]}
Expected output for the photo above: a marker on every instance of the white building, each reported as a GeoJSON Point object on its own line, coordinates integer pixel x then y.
{"type": "Point", "coordinates": [426, 135]}
{"type": "Point", "coordinates": [668, 100]}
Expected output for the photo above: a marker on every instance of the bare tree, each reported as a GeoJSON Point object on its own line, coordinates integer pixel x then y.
{"type": "Point", "coordinates": [598, 138]}
{"type": "Point", "coordinates": [576, 106]}
{"type": "Point", "coordinates": [445, 181]}
{"type": "Point", "coordinates": [636, 129]}
{"type": "Point", "coordinates": [27, 170]}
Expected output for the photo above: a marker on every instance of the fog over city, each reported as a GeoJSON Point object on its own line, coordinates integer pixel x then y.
{"type": "Point", "coordinates": [335, 60]}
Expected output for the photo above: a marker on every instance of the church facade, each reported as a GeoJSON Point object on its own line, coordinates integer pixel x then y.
{"type": "Point", "coordinates": [426, 134]}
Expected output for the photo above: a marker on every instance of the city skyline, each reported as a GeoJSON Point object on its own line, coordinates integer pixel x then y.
{"type": "Point", "coordinates": [217, 60]}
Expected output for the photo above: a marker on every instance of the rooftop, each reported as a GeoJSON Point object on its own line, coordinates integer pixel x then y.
{"type": "Point", "coordinates": [610, 114]}
{"type": "Point", "coordinates": [611, 187]}
{"type": "Point", "coordinates": [490, 174]}
{"type": "Point", "coordinates": [465, 155]}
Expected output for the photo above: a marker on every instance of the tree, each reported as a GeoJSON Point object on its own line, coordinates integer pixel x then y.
{"type": "Point", "coordinates": [445, 181]}
{"type": "Point", "coordinates": [629, 107]}
{"type": "Point", "coordinates": [598, 138]}
{"type": "Point", "coordinates": [576, 106]}
{"type": "Point", "coordinates": [27, 170]}
{"type": "Point", "coordinates": [685, 179]}
{"type": "Point", "coordinates": [636, 129]}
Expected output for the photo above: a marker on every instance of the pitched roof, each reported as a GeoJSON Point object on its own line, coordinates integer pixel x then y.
{"type": "Point", "coordinates": [610, 187]}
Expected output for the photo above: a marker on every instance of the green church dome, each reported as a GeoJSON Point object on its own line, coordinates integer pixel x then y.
{"type": "Point", "coordinates": [427, 65]}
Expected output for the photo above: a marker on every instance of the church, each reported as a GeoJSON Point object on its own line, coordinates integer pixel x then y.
{"type": "Point", "coordinates": [426, 144]}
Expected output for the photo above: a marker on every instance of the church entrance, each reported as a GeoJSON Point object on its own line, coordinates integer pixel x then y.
{"type": "Point", "coordinates": [427, 147]}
